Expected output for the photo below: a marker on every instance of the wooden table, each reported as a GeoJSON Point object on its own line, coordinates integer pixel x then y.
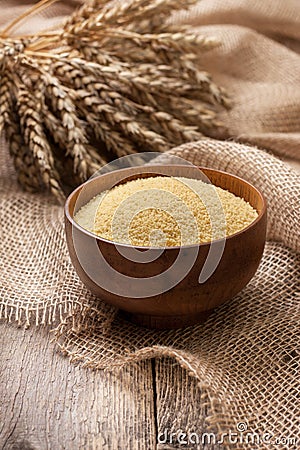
{"type": "Point", "coordinates": [48, 402]}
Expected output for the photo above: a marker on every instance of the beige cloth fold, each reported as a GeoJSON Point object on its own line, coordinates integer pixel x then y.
{"type": "Point", "coordinates": [260, 73]}
{"type": "Point", "coordinates": [246, 355]}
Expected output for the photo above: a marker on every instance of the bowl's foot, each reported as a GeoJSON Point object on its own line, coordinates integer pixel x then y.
{"type": "Point", "coordinates": [166, 322]}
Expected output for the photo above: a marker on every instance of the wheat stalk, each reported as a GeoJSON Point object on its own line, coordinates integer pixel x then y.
{"type": "Point", "coordinates": [34, 137]}
{"type": "Point", "coordinates": [28, 176]}
{"type": "Point", "coordinates": [5, 96]}
{"type": "Point", "coordinates": [114, 79]}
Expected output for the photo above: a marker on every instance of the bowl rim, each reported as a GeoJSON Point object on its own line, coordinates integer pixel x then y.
{"type": "Point", "coordinates": [175, 247]}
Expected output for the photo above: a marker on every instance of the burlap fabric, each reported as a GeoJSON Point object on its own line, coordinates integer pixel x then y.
{"type": "Point", "coordinates": [246, 356]}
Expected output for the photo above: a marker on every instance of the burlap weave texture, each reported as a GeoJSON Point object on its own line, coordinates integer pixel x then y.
{"type": "Point", "coordinates": [246, 356]}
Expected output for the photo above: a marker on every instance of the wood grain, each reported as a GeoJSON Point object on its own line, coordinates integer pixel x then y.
{"type": "Point", "coordinates": [178, 406]}
{"type": "Point", "coordinates": [49, 403]}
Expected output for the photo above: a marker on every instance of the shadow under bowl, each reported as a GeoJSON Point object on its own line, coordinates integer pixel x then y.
{"type": "Point", "coordinates": [165, 292]}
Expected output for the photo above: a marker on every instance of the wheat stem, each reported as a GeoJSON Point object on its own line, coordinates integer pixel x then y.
{"type": "Point", "coordinates": [42, 4]}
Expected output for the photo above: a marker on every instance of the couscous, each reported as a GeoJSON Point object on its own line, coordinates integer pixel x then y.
{"type": "Point", "coordinates": [165, 211]}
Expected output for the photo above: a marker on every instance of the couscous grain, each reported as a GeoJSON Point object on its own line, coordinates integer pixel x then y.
{"type": "Point", "coordinates": [165, 211]}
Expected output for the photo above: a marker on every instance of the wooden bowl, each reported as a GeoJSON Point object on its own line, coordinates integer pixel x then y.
{"type": "Point", "coordinates": [165, 292]}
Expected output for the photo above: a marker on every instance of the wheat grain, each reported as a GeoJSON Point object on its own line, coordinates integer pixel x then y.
{"type": "Point", "coordinates": [62, 104]}
{"type": "Point", "coordinates": [23, 161]}
{"type": "Point", "coordinates": [28, 176]}
{"type": "Point", "coordinates": [34, 137]}
{"type": "Point", "coordinates": [5, 99]}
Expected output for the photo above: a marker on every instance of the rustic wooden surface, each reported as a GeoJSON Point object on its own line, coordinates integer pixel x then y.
{"type": "Point", "coordinates": [180, 414]}
{"type": "Point", "coordinates": [49, 403]}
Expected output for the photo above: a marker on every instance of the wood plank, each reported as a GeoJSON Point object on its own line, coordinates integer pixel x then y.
{"type": "Point", "coordinates": [178, 406]}
{"type": "Point", "coordinates": [49, 403]}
